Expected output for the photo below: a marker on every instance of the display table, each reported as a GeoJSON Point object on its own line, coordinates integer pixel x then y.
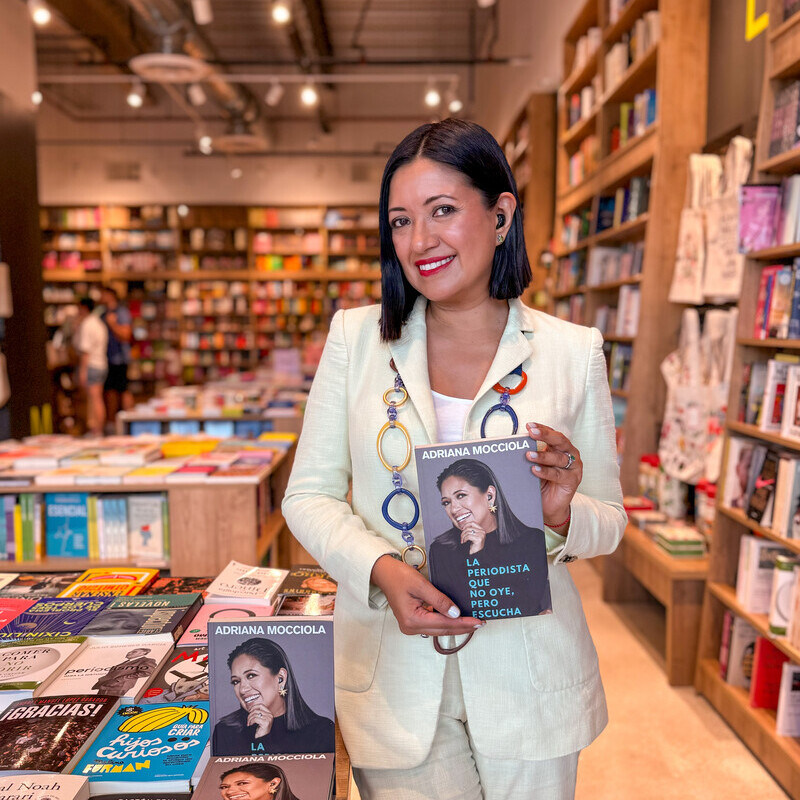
{"type": "Point", "coordinates": [677, 583]}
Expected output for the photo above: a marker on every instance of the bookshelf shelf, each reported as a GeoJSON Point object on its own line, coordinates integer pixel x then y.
{"type": "Point", "coordinates": [581, 78]}
{"type": "Point", "coordinates": [613, 285]}
{"type": "Point", "coordinates": [639, 76]}
{"type": "Point", "coordinates": [754, 432]}
{"type": "Point", "coordinates": [630, 13]}
{"type": "Point", "coordinates": [580, 130]}
{"type": "Point", "coordinates": [70, 276]}
{"type": "Point", "coordinates": [586, 17]}
{"type": "Point", "coordinates": [784, 44]}
{"type": "Point", "coordinates": [570, 292]}
{"type": "Point", "coordinates": [755, 726]}
{"type": "Point", "coordinates": [76, 564]}
{"type": "Point", "coordinates": [742, 519]}
{"type": "Point", "coordinates": [626, 232]}
{"type": "Point", "coordinates": [783, 164]}
{"type": "Point", "coordinates": [785, 251]}
{"type": "Point", "coordinates": [770, 344]}
{"type": "Point", "coordinates": [610, 337]}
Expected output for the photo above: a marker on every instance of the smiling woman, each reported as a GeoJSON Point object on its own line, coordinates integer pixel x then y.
{"type": "Point", "coordinates": [273, 717]}
{"type": "Point", "coordinates": [255, 782]}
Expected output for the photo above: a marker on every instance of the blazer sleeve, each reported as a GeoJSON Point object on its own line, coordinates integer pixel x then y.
{"type": "Point", "coordinates": [315, 504]}
{"type": "Point", "coordinates": [598, 516]}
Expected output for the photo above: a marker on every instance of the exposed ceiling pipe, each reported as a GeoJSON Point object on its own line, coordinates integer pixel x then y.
{"type": "Point", "coordinates": [270, 77]}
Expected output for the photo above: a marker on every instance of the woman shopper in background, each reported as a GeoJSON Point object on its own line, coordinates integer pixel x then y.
{"type": "Point", "coordinates": [506, 716]}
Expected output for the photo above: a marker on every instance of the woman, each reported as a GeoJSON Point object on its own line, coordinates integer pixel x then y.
{"type": "Point", "coordinates": [486, 533]}
{"type": "Point", "coordinates": [506, 716]}
{"type": "Point", "coordinates": [273, 717]}
{"type": "Point", "coordinates": [255, 782]}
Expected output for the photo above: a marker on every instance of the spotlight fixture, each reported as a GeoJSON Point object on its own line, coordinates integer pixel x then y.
{"type": "Point", "coordinates": [39, 12]}
{"type": "Point", "coordinates": [136, 95]}
{"type": "Point", "coordinates": [202, 12]}
{"type": "Point", "coordinates": [36, 98]}
{"type": "Point", "coordinates": [455, 106]}
{"type": "Point", "coordinates": [486, 3]}
{"type": "Point", "coordinates": [236, 173]}
{"type": "Point", "coordinates": [309, 96]}
{"type": "Point", "coordinates": [204, 145]}
{"type": "Point", "coordinates": [281, 12]}
{"type": "Point", "coordinates": [183, 210]}
{"type": "Point", "coordinates": [432, 97]}
{"type": "Point", "coordinates": [274, 94]}
{"type": "Point", "coordinates": [196, 94]}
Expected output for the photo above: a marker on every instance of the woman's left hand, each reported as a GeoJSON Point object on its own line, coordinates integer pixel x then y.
{"type": "Point", "coordinates": [560, 469]}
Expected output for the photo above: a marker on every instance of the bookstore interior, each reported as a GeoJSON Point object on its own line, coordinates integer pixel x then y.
{"type": "Point", "coordinates": [191, 207]}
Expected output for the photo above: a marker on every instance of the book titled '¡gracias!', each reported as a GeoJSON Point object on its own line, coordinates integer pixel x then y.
{"type": "Point", "coordinates": [484, 532]}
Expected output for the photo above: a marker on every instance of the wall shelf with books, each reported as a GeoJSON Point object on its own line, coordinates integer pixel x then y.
{"type": "Point", "coordinates": [759, 428]}
{"type": "Point", "coordinates": [637, 97]}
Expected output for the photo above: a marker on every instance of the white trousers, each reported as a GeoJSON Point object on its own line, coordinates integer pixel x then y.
{"type": "Point", "coordinates": [454, 770]}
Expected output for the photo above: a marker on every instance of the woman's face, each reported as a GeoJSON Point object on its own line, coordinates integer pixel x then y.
{"type": "Point", "coordinates": [443, 233]}
{"type": "Point", "coordinates": [244, 786]}
{"type": "Point", "coordinates": [254, 684]}
{"type": "Point", "coordinates": [319, 584]}
{"type": "Point", "coordinates": [465, 503]}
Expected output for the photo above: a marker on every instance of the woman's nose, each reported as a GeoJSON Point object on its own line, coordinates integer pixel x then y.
{"type": "Point", "coordinates": [424, 237]}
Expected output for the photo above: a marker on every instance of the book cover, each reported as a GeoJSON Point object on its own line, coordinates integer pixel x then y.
{"type": "Point", "coordinates": [155, 472]}
{"type": "Point", "coordinates": [485, 538]}
{"type": "Point", "coordinates": [308, 605]}
{"type": "Point", "coordinates": [179, 585]}
{"type": "Point", "coordinates": [51, 733]}
{"type": "Point", "coordinates": [308, 777]}
{"type": "Point", "coordinates": [164, 616]}
{"type": "Point", "coordinates": [102, 475]}
{"type": "Point", "coordinates": [308, 579]}
{"type": "Point", "coordinates": [43, 787]}
{"type": "Point", "coordinates": [757, 558]}
{"type": "Point", "coordinates": [54, 617]}
{"type": "Point", "coordinates": [107, 581]}
{"type": "Point", "coordinates": [758, 209]}
{"type": "Point", "coordinates": [191, 473]}
{"type": "Point", "coordinates": [242, 582]}
{"type": "Point", "coordinates": [766, 681]}
{"type": "Point", "coordinates": [183, 677]}
{"type": "Point", "coordinates": [787, 722]}
{"type": "Point", "coordinates": [780, 308]}
{"type": "Point", "coordinates": [32, 665]}
{"type": "Point", "coordinates": [742, 650]}
{"type": "Point", "coordinates": [271, 686]}
{"type": "Point", "coordinates": [244, 470]}
{"type": "Point", "coordinates": [197, 630]}
{"type": "Point", "coordinates": [34, 585]}
{"type": "Point", "coordinates": [725, 643]}
{"type": "Point", "coordinates": [67, 525]}
{"type": "Point", "coordinates": [120, 666]}
{"type": "Point", "coordinates": [145, 528]}
{"type": "Point", "coordinates": [134, 455]}
{"type": "Point", "coordinates": [143, 749]}
{"type": "Point", "coordinates": [11, 607]}
{"type": "Point", "coordinates": [63, 476]}
{"type": "Point", "coordinates": [759, 507]}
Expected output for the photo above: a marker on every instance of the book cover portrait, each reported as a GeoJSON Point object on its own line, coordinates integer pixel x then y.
{"type": "Point", "coordinates": [482, 517]}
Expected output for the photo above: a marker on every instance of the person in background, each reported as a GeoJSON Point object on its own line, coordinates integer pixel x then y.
{"type": "Point", "coordinates": [118, 321]}
{"type": "Point", "coordinates": [91, 344]}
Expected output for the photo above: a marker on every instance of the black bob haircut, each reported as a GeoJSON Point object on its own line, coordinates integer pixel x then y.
{"type": "Point", "coordinates": [471, 150]}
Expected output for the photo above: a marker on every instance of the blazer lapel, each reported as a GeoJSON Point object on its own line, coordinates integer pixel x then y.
{"type": "Point", "coordinates": [514, 349]}
{"type": "Point", "coordinates": [410, 354]}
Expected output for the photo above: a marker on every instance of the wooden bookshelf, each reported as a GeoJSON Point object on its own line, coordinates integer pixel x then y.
{"type": "Point", "coordinates": [780, 755]}
{"type": "Point", "coordinates": [660, 152]}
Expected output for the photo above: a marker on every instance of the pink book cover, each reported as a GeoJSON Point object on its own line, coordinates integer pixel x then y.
{"type": "Point", "coordinates": [759, 206]}
{"type": "Point", "coordinates": [11, 607]}
{"type": "Point", "coordinates": [197, 630]}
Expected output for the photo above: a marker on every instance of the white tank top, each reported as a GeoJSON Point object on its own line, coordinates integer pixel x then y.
{"type": "Point", "coordinates": [451, 414]}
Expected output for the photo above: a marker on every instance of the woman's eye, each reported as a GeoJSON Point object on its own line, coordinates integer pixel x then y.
{"type": "Point", "coordinates": [443, 211]}
{"type": "Point", "coordinates": [398, 222]}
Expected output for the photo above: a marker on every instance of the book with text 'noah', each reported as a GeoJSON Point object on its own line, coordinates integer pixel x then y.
{"type": "Point", "coordinates": [482, 519]}
{"type": "Point", "coordinates": [43, 787]}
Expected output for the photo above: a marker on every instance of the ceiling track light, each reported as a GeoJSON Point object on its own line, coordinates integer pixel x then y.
{"type": "Point", "coordinates": [274, 94]}
{"type": "Point", "coordinates": [135, 96]}
{"type": "Point", "coordinates": [36, 98]}
{"type": "Point", "coordinates": [486, 3]}
{"type": "Point", "coordinates": [309, 96]}
{"type": "Point", "coordinates": [432, 96]}
{"type": "Point", "coordinates": [39, 11]}
{"type": "Point", "coordinates": [204, 145]}
{"type": "Point", "coordinates": [281, 11]}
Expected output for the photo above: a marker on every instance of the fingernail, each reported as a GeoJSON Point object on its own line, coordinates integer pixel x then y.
{"type": "Point", "coordinates": [534, 430]}
{"type": "Point", "coordinates": [533, 456]}
{"type": "Point", "coordinates": [453, 612]}
{"type": "Point", "coordinates": [538, 468]}
{"type": "Point", "coordinates": [479, 625]}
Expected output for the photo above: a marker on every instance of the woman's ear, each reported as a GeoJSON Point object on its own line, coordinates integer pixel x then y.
{"type": "Point", "coordinates": [274, 785]}
{"type": "Point", "coordinates": [505, 206]}
{"type": "Point", "coordinates": [491, 498]}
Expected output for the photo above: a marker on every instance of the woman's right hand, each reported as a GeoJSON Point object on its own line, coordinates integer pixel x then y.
{"type": "Point", "coordinates": [418, 606]}
{"type": "Point", "coordinates": [260, 716]}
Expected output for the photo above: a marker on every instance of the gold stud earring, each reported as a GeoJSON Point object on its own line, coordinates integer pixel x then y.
{"type": "Point", "coordinates": [492, 507]}
{"type": "Point", "coordinates": [282, 689]}
{"type": "Point", "coordinates": [500, 238]}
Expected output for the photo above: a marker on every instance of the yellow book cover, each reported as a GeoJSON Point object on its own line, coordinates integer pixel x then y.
{"type": "Point", "coordinates": [188, 447]}
{"type": "Point", "coordinates": [111, 581]}
{"type": "Point", "coordinates": [94, 545]}
{"type": "Point", "coordinates": [18, 532]}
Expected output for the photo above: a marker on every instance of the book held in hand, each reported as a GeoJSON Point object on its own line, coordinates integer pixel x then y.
{"type": "Point", "coordinates": [484, 533]}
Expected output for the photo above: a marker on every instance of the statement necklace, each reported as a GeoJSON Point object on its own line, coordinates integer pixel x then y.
{"type": "Point", "coordinates": [395, 397]}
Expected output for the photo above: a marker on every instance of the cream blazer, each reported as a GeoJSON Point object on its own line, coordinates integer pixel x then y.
{"type": "Point", "coordinates": [531, 686]}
